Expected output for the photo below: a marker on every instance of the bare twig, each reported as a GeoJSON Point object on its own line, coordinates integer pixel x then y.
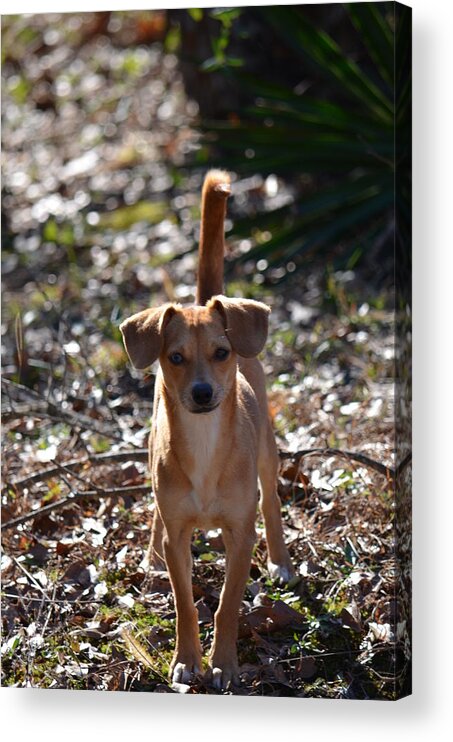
{"type": "Point", "coordinates": [64, 470]}
{"type": "Point", "coordinates": [139, 454]}
{"type": "Point", "coordinates": [387, 471]}
{"type": "Point", "coordinates": [20, 390]}
{"type": "Point", "coordinates": [73, 497]}
{"type": "Point", "coordinates": [58, 601]}
{"type": "Point", "coordinates": [42, 407]}
{"type": "Point", "coordinates": [32, 579]}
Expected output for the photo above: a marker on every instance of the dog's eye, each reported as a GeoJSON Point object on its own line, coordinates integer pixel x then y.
{"type": "Point", "coordinates": [176, 359]}
{"type": "Point", "coordinates": [221, 354]}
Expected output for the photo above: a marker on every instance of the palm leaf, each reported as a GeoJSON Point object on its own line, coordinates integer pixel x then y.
{"type": "Point", "coordinates": [347, 138]}
{"type": "Point", "coordinates": [324, 218]}
{"type": "Point", "coordinates": [375, 31]}
{"type": "Point", "coordinates": [336, 230]}
{"type": "Point", "coordinates": [329, 59]}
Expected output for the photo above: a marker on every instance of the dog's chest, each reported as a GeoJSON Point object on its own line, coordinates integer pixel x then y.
{"type": "Point", "coordinates": [202, 441]}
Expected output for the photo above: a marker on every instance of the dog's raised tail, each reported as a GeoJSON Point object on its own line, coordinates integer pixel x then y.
{"type": "Point", "coordinates": [216, 189]}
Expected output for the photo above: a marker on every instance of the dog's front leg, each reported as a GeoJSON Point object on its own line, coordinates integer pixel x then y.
{"type": "Point", "coordinates": [239, 540]}
{"type": "Point", "coordinates": [187, 657]}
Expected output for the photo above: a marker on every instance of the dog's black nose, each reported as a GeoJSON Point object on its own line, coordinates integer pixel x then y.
{"type": "Point", "coordinates": [202, 393]}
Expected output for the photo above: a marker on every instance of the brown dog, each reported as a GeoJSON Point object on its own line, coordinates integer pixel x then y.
{"type": "Point", "coordinates": [211, 440]}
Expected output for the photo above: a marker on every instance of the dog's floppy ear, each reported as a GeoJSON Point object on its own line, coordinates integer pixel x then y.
{"type": "Point", "coordinates": [142, 334]}
{"type": "Point", "coordinates": [246, 323]}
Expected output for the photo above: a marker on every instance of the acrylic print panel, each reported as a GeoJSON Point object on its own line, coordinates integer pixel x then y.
{"type": "Point", "coordinates": [111, 121]}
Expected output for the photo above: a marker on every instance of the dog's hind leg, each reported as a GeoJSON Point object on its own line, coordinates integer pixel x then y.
{"type": "Point", "coordinates": [154, 557]}
{"type": "Point", "coordinates": [279, 562]}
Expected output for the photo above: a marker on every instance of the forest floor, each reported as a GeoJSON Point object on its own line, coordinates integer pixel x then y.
{"type": "Point", "coordinates": [100, 219]}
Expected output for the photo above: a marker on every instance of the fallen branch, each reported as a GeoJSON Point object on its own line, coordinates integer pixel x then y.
{"type": "Point", "coordinates": [387, 471]}
{"type": "Point", "coordinates": [52, 412]}
{"type": "Point", "coordinates": [42, 407]}
{"type": "Point", "coordinates": [73, 497]}
{"type": "Point", "coordinates": [138, 454]}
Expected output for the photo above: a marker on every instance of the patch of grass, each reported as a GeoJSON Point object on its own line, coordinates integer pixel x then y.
{"type": "Point", "coordinates": [99, 443]}
{"type": "Point", "coordinates": [125, 217]}
{"type": "Point", "coordinates": [245, 290]}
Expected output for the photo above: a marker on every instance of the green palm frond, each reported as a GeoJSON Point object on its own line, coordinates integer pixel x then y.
{"type": "Point", "coordinates": [345, 142]}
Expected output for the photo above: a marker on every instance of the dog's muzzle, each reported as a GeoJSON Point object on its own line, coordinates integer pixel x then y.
{"type": "Point", "coordinates": [202, 396]}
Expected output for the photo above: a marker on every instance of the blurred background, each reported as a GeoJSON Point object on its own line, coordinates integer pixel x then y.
{"type": "Point", "coordinates": [110, 122]}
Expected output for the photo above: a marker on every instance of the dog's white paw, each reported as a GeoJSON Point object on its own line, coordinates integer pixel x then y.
{"type": "Point", "coordinates": [281, 573]}
{"type": "Point", "coordinates": [222, 678]}
{"type": "Point", "coordinates": [183, 673]}
{"type": "Point", "coordinates": [217, 678]}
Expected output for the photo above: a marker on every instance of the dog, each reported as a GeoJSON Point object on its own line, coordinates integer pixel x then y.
{"type": "Point", "coordinates": [211, 440]}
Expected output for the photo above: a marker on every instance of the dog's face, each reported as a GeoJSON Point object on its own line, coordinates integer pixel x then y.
{"type": "Point", "coordinates": [197, 360]}
{"type": "Point", "coordinates": [197, 346]}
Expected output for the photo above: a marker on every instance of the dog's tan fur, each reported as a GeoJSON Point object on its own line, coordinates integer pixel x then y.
{"type": "Point", "coordinates": [205, 466]}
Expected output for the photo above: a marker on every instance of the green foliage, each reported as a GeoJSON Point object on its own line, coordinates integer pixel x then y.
{"type": "Point", "coordinates": [20, 89]}
{"type": "Point", "coordinates": [220, 58]}
{"type": "Point", "coordinates": [341, 143]}
{"type": "Point", "coordinates": [142, 211]}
